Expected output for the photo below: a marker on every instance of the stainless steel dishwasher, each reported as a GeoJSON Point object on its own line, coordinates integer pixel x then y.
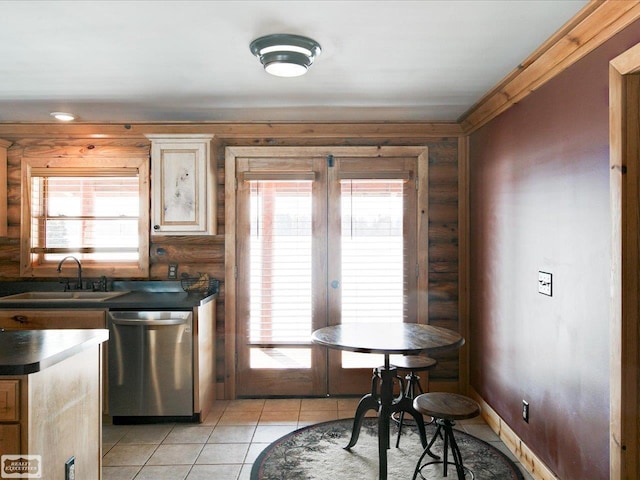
{"type": "Point", "coordinates": [150, 364]}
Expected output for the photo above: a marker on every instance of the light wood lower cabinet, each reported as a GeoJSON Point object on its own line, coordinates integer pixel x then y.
{"type": "Point", "coordinates": [9, 415]}
{"type": "Point", "coordinates": [42, 319]}
{"type": "Point", "coordinates": [204, 359]}
{"type": "Point", "coordinates": [55, 413]}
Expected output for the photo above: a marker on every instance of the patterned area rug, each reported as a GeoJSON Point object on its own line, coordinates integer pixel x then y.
{"type": "Point", "coordinates": [316, 453]}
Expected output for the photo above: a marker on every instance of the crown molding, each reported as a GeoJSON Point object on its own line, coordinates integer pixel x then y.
{"type": "Point", "coordinates": [597, 22]}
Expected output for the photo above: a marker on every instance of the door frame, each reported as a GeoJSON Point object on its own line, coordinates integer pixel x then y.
{"type": "Point", "coordinates": [234, 152]}
{"type": "Point", "coordinates": [624, 144]}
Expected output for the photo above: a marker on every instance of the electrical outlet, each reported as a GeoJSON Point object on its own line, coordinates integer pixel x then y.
{"type": "Point", "coordinates": [544, 283]}
{"type": "Point", "coordinates": [70, 469]}
{"type": "Point", "coordinates": [525, 411]}
{"type": "Point", "coordinates": [172, 274]}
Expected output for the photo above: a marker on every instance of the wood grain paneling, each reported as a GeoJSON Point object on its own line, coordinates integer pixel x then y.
{"type": "Point", "coordinates": [4, 145]}
{"type": "Point", "coordinates": [206, 253]}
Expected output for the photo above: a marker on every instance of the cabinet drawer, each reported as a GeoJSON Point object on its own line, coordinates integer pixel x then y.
{"type": "Point", "coordinates": [53, 318]}
{"type": "Point", "coordinates": [9, 400]}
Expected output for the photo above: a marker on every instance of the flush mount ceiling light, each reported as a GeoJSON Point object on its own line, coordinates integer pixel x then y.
{"type": "Point", "coordinates": [285, 55]}
{"type": "Point", "coordinates": [63, 116]}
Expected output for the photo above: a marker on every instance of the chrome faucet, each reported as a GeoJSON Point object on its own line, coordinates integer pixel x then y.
{"type": "Point", "coordinates": [79, 284]}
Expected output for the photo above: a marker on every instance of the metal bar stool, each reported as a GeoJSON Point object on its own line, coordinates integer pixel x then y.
{"type": "Point", "coordinates": [445, 408]}
{"type": "Point", "coordinates": [411, 364]}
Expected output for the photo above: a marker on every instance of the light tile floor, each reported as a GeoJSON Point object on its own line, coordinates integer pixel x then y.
{"type": "Point", "coordinates": [225, 445]}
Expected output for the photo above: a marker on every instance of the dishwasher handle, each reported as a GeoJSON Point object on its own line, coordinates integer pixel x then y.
{"type": "Point", "coordinates": [141, 322]}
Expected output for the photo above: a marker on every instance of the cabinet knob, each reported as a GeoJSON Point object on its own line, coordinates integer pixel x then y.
{"type": "Point", "coordinates": [156, 227]}
{"type": "Point", "coordinates": [20, 318]}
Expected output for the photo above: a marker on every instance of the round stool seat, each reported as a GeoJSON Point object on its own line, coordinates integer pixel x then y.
{"type": "Point", "coordinates": [415, 363]}
{"type": "Point", "coordinates": [445, 408]}
{"type": "Point", "coordinates": [448, 406]}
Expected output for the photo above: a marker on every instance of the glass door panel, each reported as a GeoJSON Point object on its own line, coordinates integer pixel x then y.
{"type": "Point", "coordinates": [372, 263]}
{"type": "Point", "coordinates": [280, 251]}
{"type": "Point", "coordinates": [280, 272]}
{"type": "Point", "coordinates": [372, 259]}
{"type": "Point", "coordinates": [320, 243]}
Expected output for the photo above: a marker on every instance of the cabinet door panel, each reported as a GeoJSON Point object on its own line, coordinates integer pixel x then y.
{"type": "Point", "coordinates": [9, 439]}
{"type": "Point", "coordinates": [9, 402]}
{"type": "Point", "coordinates": [183, 190]}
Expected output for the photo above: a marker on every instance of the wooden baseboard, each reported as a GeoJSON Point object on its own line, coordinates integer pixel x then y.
{"type": "Point", "coordinates": [523, 453]}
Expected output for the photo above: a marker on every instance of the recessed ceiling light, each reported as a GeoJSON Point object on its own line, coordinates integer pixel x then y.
{"type": "Point", "coordinates": [285, 55]}
{"type": "Point", "coordinates": [63, 116]}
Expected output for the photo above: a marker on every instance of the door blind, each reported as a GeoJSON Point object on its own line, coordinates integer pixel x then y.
{"type": "Point", "coordinates": [280, 262]}
{"type": "Point", "coordinates": [372, 245]}
{"type": "Point", "coordinates": [372, 250]}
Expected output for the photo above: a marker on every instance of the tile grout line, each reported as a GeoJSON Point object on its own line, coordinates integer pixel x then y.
{"type": "Point", "coordinates": [265, 414]}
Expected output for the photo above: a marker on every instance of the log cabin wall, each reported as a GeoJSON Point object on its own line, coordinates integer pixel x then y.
{"type": "Point", "coordinates": [206, 253]}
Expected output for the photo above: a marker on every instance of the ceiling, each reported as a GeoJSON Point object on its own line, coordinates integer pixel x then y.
{"type": "Point", "coordinates": [174, 61]}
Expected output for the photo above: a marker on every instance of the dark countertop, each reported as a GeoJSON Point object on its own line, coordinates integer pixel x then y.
{"type": "Point", "coordinates": [157, 301]}
{"type": "Point", "coordinates": [141, 296]}
{"type": "Point", "coordinates": [28, 351]}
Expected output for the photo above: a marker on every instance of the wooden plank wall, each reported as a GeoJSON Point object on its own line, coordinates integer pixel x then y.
{"type": "Point", "coordinates": [206, 253]}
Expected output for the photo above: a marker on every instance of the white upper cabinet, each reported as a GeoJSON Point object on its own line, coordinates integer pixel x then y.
{"type": "Point", "coordinates": [183, 187]}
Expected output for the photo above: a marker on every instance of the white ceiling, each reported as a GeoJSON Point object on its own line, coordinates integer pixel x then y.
{"type": "Point", "coordinates": [170, 61]}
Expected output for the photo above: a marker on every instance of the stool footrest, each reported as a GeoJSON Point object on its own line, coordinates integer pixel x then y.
{"type": "Point", "coordinates": [446, 426]}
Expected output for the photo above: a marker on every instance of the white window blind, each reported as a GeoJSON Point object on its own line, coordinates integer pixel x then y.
{"type": "Point", "coordinates": [373, 271]}
{"type": "Point", "coordinates": [90, 213]}
{"type": "Point", "coordinates": [280, 263]}
{"type": "Point", "coordinates": [372, 251]}
{"type": "Point", "coordinates": [372, 244]}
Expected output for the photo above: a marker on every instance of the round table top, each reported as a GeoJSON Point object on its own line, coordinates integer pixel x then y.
{"type": "Point", "coordinates": [388, 338]}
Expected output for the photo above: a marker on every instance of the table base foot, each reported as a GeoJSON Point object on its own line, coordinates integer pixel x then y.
{"type": "Point", "coordinates": [368, 402]}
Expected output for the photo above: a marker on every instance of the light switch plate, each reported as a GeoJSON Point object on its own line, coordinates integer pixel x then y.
{"type": "Point", "coordinates": [544, 283]}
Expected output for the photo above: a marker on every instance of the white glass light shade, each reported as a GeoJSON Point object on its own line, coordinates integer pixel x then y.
{"type": "Point", "coordinates": [282, 69]}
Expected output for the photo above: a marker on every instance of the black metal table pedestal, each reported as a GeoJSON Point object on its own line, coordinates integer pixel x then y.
{"type": "Point", "coordinates": [385, 404]}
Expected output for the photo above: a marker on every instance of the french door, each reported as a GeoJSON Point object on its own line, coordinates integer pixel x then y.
{"type": "Point", "coordinates": [321, 239]}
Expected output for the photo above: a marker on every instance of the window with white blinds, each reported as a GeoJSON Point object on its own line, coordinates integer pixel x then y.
{"type": "Point", "coordinates": [97, 213]}
{"type": "Point", "coordinates": [94, 217]}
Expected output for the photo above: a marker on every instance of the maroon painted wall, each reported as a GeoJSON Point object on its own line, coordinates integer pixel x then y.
{"type": "Point", "coordinates": [540, 201]}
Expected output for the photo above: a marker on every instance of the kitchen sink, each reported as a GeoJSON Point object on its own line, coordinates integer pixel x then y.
{"type": "Point", "coordinates": [61, 296]}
